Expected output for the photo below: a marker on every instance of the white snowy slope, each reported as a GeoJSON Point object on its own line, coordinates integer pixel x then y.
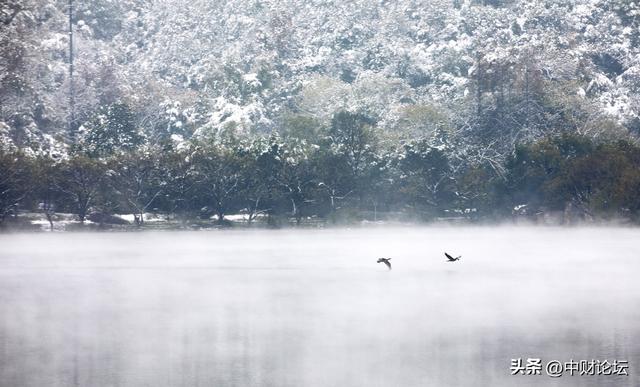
{"type": "Point", "coordinates": [201, 67]}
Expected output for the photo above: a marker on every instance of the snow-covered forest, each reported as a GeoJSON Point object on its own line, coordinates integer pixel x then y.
{"type": "Point", "coordinates": [321, 109]}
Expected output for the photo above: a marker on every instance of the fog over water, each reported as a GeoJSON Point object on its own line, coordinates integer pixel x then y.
{"type": "Point", "coordinates": [313, 308]}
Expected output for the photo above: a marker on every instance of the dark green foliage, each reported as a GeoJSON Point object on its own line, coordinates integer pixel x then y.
{"type": "Point", "coordinates": [46, 195]}
{"type": "Point", "coordinates": [138, 181]}
{"type": "Point", "coordinates": [178, 183]}
{"type": "Point", "coordinates": [352, 139]}
{"type": "Point", "coordinates": [606, 181]}
{"type": "Point", "coordinates": [573, 173]}
{"type": "Point", "coordinates": [425, 177]}
{"type": "Point", "coordinates": [111, 130]}
{"type": "Point", "coordinates": [288, 178]}
{"type": "Point", "coordinates": [82, 184]}
{"type": "Point", "coordinates": [15, 182]}
{"type": "Point", "coordinates": [534, 166]}
{"type": "Point", "coordinates": [217, 173]}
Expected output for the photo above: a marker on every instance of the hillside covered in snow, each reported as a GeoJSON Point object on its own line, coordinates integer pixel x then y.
{"type": "Point", "coordinates": [475, 82]}
{"type": "Point", "coordinates": [515, 68]}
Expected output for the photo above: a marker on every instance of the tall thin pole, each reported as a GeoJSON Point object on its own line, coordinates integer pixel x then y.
{"type": "Point", "coordinates": [72, 112]}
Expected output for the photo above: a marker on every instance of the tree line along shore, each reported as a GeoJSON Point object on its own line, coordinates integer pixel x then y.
{"type": "Point", "coordinates": [345, 172]}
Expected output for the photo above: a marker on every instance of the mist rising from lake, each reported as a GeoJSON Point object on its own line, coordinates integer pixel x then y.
{"type": "Point", "coordinates": [313, 308]}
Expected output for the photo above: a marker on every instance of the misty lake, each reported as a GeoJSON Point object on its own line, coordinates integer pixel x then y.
{"type": "Point", "coordinates": [313, 308]}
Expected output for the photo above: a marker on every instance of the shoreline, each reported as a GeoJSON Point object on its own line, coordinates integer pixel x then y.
{"type": "Point", "coordinates": [65, 223]}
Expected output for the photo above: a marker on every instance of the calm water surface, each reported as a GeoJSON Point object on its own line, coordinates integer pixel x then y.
{"type": "Point", "coordinates": [312, 308]}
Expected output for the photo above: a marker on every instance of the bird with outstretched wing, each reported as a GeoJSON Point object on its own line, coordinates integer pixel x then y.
{"type": "Point", "coordinates": [451, 259]}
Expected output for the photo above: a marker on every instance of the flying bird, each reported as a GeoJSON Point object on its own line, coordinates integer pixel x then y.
{"type": "Point", "coordinates": [385, 261]}
{"type": "Point", "coordinates": [451, 259]}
